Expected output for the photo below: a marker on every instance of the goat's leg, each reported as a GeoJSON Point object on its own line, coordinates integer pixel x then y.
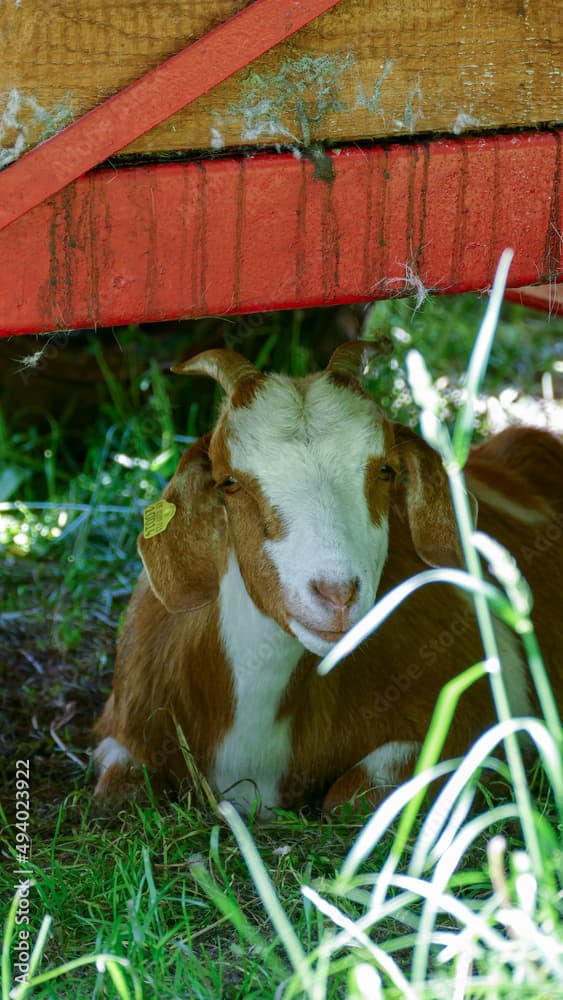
{"type": "Point", "coordinates": [120, 779]}
{"type": "Point", "coordinates": [373, 778]}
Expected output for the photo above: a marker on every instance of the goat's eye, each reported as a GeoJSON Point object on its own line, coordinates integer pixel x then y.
{"type": "Point", "coordinates": [387, 473]}
{"type": "Point", "coordinates": [230, 485]}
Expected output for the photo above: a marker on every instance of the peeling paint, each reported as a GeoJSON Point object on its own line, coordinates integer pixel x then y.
{"type": "Point", "coordinates": [261, 119]}
{"type": "Point", "coordinates": [11, 131]}
{"type": "Point", "coordinates": [464, 121]}
{"type": "Point", "coordinates": [217, 141]}
{"type": "Point", "coordinates": [306, 88]}
{"type": "Point", "coordinates": [54, 120]}
{"type": "Point", "coordinates": [413, 108]}
{"type": "Point", "coordinates": [373, 103]}
{"type": "Point", "coordinates": [24, 121]}
{"type": "Point", "coordinates": [412, 112]}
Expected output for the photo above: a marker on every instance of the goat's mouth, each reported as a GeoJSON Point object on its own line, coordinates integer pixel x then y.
{"type": "Point", "coordinates": [329, 636]}
{"type": "Point", "coordinates": [316, 640]}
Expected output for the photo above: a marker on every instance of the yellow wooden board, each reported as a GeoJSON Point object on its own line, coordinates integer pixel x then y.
{"type": "Point", "coordinates": [366, 70]}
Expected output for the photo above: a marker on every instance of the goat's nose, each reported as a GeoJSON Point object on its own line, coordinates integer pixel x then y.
{"type": "Point", "coordinates": [336, 595]}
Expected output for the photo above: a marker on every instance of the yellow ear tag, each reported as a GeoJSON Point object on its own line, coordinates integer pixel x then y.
{"type": "Point", "coordinates": [157, 517]}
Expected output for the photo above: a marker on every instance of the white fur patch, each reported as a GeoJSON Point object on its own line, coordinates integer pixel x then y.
{"type": "Point", "coordinates": [314, 643]}
{"type": "Point", "coordinates": [255, 753]}
{"type": "Point", "coordinates": [308, 444]}
{"type": "Point", "coordinates": [110, 752]}
{"type": "Point", "coordinates": [384, 765]}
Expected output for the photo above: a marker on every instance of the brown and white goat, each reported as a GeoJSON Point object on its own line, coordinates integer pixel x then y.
{"type": "Point", "coordinates": [301, 507]}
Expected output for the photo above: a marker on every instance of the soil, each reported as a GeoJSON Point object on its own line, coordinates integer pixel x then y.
{"type": "Point", "coordinates": [50, 699]}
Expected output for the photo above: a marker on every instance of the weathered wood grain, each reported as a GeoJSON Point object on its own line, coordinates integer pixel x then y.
{"type": "Point", "coordinates": [176, 83]}
{"type": "Point", "coordinates": [370, 68]}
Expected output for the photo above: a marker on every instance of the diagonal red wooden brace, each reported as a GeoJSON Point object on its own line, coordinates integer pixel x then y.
{"type": "Point", "coordinates": [147, 102]}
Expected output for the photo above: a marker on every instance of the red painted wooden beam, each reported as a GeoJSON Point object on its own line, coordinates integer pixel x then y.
{"type": "Point", "coordinates": [547, 298]}
{"type": "Point", "coordinates": [150, 100]}
{"type": "Point", "coordinates": [192, 239]}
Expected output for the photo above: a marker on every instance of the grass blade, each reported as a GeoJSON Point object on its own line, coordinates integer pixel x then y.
{"type": "Point", "coordinates": [229, 907]}
{"type": "Point", "coordinates": [374, 618]}
{"type": "Point", "coordinates": [383, 960]}
{"type": "Point", "coordinates": [465, 422]}
{"type": "Point", "coordinates": [433, 745]}
{"type": "Point", "coordinates": [269, 897]}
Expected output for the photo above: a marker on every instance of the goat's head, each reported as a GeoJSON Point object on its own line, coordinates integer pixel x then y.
{"type": "Point", "coordinates": [297, 479]}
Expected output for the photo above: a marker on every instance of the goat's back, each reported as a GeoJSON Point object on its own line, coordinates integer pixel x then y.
{"type": "Point", "coordinates": [517, 479]}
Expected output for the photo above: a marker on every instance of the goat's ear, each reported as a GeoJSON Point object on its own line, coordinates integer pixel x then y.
{"type": "Point", "coordinates": [185, 561]}
{"type": "Point", "coordinates": [427, 497]}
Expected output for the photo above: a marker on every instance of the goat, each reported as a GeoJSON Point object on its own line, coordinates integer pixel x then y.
{"type": "Point", "coordinates": [284, 523]}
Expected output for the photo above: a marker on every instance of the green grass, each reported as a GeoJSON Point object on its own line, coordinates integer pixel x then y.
{"type": "Point", "coordinates": [168, 891]}
{"type": "Point", "coordinates": [176, 894]}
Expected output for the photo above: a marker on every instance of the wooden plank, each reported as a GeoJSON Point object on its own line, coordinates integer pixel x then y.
{"type": "Point", "coordinates": [547, 298]}
{"type": "Point", "coordinates": [271, 231]}
{"type": "Point", "coordinates": [153, 98]}
{"type": "Point", "coordinates": [370, 68]}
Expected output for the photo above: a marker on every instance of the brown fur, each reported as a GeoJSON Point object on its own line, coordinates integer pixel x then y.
{"type": "Point", "coordinates": [157, 687]}
{"type": "Point", "coordinates": [386, 691]}
{"type": "Point", "coordinates": [358, 789]}
{"type": "Point", "coordinates": [427, 640]}
{"type": "Point", "coordinates": [185, 578]}
{"type": "Point", "coordinates": [532, 474]}
{"type": "Point", "coordinates": [172, 670]}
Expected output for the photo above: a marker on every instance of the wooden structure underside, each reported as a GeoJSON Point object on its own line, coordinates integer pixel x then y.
{"type": "Point", "coordinates": [367, 201]}
{"type": "Point", "coordinates": [365, 70]}
{"type": "Point", "coordinates": [273, 231]}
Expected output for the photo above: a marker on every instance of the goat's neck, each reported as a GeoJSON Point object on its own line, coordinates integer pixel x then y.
{"type": "Point", "coordinates": [256, 646]}
{"type": "Point", "coordinates": [254, 754]}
